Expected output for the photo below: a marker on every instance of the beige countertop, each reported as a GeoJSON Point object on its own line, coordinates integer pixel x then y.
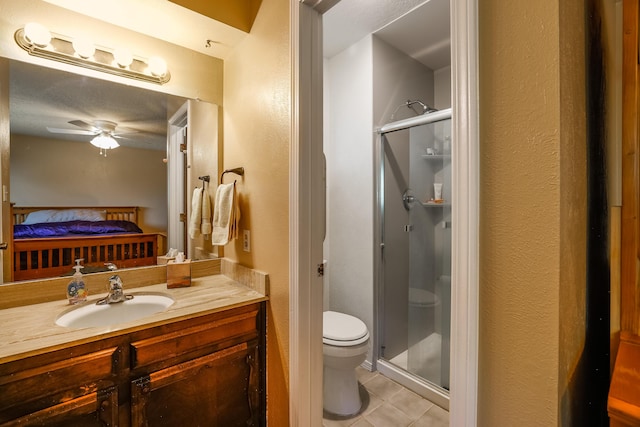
{"type": "Point", "coordinates": [31, 329]}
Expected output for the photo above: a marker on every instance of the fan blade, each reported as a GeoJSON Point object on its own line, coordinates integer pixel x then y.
{"type": "Point", "coordinates": [71, 131]}
{"type": "Point", "coordinates": [84, 125]}
{"type": "Point", "coordinates": [126, 131]}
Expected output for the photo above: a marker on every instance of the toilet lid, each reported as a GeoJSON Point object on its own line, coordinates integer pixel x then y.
{"type": "Point", "coordinates": [342, 327]}
{"type": "Point", "coordinates": [422, 297]}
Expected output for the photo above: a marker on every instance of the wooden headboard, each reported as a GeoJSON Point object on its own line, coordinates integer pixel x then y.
{"type": "Point", "coordinates": [123, 213]}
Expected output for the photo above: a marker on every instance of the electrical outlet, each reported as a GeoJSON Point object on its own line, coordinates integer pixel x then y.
{"type": "Point", "coordinates": [246, 241]}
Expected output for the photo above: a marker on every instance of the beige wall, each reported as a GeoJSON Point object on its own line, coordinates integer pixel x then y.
{"type": "Point", "coordinates": [204, 159]}
{"type": "Point", "coordinates": [533, 208]}
{"type": "Point", "coordinates": [257, 123]}
{"type": "Point", "coordinates": [50, 172]}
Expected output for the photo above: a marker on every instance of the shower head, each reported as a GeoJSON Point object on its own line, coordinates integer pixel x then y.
{"type": "Point", "coordinates": [424, 108]}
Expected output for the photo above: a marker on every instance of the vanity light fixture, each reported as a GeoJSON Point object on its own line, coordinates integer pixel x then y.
{"type": "Point", "coordinates": [104, 142]}
{"type": "Point", "coordinates": [38, 41]}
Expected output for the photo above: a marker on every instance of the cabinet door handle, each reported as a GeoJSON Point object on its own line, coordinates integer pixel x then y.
{"type": "Point", "coordinates": [4, 246]}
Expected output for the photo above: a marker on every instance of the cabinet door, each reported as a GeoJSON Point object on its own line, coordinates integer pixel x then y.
{"type": "Point", "coordinates": [70, 384]}
{"type": "Point", "coordinates": [94, 409]}
{"type": "Point", "coordinates": [220, 389]}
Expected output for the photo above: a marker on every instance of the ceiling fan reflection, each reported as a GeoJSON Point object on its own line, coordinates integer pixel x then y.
{"type": "Point", "coordinates": [104, 132]}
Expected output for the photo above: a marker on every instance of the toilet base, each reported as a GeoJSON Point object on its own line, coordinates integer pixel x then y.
{"type": "Point", "coordinates": [340, 391]}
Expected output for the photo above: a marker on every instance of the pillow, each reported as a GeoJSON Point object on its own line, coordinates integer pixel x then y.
{"type": "Point", "coordinates": [63, 215]}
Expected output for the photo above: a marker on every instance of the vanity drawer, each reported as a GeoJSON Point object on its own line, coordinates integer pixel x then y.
{"type": "Point", "coordinates": [188, 339]}
{"type": "Point", "coordinates": [28, 386]}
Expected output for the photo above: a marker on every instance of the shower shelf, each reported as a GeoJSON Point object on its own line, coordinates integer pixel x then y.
{"type": "Point", "coordinates": [436, 156]}
{"type": "Point", "coordinates": [435, 205]}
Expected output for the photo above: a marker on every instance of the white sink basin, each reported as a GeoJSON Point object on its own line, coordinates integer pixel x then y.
{"type": "Point", "coordinates": [91, 315]}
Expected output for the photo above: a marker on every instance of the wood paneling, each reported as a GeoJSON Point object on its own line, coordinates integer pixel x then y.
{"type": "Point", "coordinates": [624, 394]}
{"type": "Point", "coordinates": [629, 225]}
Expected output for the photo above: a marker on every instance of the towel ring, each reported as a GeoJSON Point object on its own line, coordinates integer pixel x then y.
{"type": "Point", "coordinates": [237, 171]}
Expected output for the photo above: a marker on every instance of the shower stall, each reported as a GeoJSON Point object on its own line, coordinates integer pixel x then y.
{"type": "Point", "coordinates": [413, 252]}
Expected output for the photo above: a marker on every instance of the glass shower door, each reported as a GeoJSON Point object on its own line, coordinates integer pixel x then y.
{"type": "Point", "coordinates": [415, 300]}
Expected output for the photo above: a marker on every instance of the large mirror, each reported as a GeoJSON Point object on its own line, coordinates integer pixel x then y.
{"type": "Point", "coordinates": [53, 117]}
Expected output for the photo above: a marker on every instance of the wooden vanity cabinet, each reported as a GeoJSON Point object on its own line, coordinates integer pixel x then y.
{"type": "Point", "coordinates": [207, 370]}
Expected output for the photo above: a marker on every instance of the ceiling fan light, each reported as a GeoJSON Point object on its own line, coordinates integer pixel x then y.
{"type": "Point", "coordinates": [104, 142]}
{"type": "Point", "coordinates": [37, 34]}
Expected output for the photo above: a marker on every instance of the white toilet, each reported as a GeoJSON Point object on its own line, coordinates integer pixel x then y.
{"type": "Point", "coordinates": [423, 306]}
{"type": "Point", "coordinates": [345, 345]}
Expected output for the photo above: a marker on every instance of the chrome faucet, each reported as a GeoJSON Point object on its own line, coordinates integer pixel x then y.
{"type": "Point", "coordinates": [116, 293]}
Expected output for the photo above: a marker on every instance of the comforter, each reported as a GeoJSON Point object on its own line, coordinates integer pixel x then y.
{"type": "Point", "coordinates": [73, 228]}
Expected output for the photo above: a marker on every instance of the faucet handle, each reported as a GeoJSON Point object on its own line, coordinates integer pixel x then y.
{"type": "Point", "coordinates": [115, 283]}
{"type": "Point", "coordinates": [111, 266]}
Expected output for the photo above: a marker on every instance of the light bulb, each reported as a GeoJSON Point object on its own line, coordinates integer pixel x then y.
{"type": "Point", "coordinates": [104, 141]}
{"type": "Point", "coordinates": [157, 66]}
{"type": "Point", "coordinates": [84, 47]}
{"type": "Point", "coordinates": [37, 34]}
{"type": "Point", "coordinates": [123, 57]}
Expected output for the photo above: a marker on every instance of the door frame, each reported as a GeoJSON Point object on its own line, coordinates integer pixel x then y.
{"type": "Point", "coordinates": [177, 180]}
{"type": "Point", "coordinates": [6, 221]}
{"type": "Point", "coordinates": [307, 196]}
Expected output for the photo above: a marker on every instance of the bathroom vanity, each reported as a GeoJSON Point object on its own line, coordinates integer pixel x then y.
{"type": "Point", "coordinates": [200, 362]}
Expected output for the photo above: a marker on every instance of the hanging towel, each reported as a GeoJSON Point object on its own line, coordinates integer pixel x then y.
{"type": "Point", "coordinates": [225, 215]}
{"type": "Point", "coordinates": [205, 222]}
{"type": "Point", "coordinates": [196, 213]}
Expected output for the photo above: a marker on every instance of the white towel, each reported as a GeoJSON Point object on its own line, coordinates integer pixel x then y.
{"type": "Point", "coordinates": [205, 223]}
{"type": "Point", "coordinates": [196, 213]}
{"type": "Point", "coordinates": [225, 215]}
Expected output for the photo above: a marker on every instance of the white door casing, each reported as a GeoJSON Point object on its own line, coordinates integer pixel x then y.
{"type": "Point", "coordinates": [307, 217]}
{"type": "Point", "coordinates": [6, 222]}
{"type": "Point", "coordinates": [176, 178]}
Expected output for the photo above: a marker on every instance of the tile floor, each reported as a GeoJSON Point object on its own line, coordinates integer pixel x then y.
{"type": "Point", "coordinates": [388, 404]}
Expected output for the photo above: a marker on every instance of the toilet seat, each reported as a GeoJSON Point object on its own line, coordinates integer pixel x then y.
{"type": "Point", "coordinates": [422, 298]}
{"type": "Point", "coordinates": [343, 330]}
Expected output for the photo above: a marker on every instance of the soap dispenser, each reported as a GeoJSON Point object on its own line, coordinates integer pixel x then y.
{"type": "Point", "coordinates": [76, 290]}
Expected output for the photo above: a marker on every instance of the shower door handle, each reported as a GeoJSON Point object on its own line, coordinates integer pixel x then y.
{"type": "Point", "coordinates": [408, 199]}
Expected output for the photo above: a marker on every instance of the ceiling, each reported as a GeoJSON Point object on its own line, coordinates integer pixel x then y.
{"type": "Point", "coordinates": [344, 24]}
{"type": "Point", "coordinates": [420, 28]}
{"type": "Point", "coordinates": [161, 19]}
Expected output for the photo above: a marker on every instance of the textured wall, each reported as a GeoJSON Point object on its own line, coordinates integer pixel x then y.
{"type": "Point", "coordinates": [257, 115]}
{"type": "Point", "coordinates": [532, 205]}
{"type": "Point", "coordinates": [349, 150]}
